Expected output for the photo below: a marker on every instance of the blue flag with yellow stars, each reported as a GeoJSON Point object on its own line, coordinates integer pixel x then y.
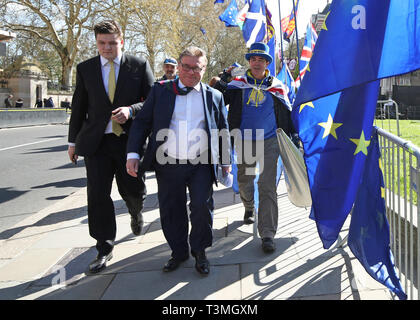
{"type": "Point", "coordinates": [369, 238]}
{"type": "Point", "coordinates": [335, 132]}
{"type": "Point", "coordinates": [361, 41]}
{"type": "Point", "coordinates": [229, 15]}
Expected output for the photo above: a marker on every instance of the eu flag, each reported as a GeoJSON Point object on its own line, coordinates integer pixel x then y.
{"type": "Point", "coordinates": [229, 15]}
{"type": "Point", "coordinates": [335, 132]}
{"type": "Point", "coordinates": [362, 41]}
{"type": "Point", "coordinates": [369, 230]}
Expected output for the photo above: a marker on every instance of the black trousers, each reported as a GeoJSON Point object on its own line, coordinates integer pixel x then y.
{"type": "Point", "coordinates": [109, 161]}
{"type": "Point", "coordinates": [173, 181]}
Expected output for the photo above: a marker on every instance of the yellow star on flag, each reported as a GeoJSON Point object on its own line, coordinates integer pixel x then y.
{"type": "Point", "coordinates": [382, 188]}
{"type": "Point", "coordinates": [330, 127]}
{"type": "Point", "coordinates": [324, 26]}
{"type": "Point", "coordinates": [361, 144]}
{"type": "Point", "coordinates": [308, 104]}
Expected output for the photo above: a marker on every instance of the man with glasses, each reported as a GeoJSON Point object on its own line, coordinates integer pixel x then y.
{"type": "Point", "coordinates": [185, 122]}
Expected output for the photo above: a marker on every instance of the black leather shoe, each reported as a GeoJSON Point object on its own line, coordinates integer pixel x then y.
{"type": "Point", "coordinates": [249, 217]}
{"type": "Point", "coordinates": [99, 263]}
{"type": "Point", "coordinates": [268, 245]}
{"type": "Point", "coordinates": [201, 262]}
{"type": "Point", "coordinates": [136, 223]}
{"type": "Point", "coordinates": [173, 264]}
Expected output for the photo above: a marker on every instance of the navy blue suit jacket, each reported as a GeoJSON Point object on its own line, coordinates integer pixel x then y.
{"type": "Point", "coordinates": [156, 115]}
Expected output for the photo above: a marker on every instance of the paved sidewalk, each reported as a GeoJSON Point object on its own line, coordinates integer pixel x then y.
{"type": "Point", "coordinates": [47, 256]}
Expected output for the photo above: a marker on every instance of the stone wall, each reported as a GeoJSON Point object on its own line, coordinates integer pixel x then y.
{"type": "Point", "coordinates": [10, 118]}
{"type": "Point", "coordinates": [58, 97]}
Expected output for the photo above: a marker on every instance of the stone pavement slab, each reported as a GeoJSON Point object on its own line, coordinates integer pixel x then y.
{"type": "Point", "coordinates": [48, 255]}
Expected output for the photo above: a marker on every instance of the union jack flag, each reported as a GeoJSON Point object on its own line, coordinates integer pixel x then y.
{"type": "Point", "coordinates": [308, 48]}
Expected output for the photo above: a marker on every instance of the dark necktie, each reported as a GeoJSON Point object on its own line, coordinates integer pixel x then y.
{"type": "Point", "coordinates": [184, 91]}
{"type": "Point", "coordinates": [173, 85]}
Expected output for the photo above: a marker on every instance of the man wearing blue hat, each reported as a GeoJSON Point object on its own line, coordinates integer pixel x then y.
{"type": "Point", "coordinates": [258, 105]}
{"type": "Point", "coordinates": [170, 66]}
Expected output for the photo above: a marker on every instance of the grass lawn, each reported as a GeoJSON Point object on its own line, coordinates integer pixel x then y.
{"type": "Point", "coordinates": [409, 130]}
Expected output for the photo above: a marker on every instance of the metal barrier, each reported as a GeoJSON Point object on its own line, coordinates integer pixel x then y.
{"type": "Point", "coordinates": [401, 170]}
{"type": "Point", "coordinates": [386, 114]}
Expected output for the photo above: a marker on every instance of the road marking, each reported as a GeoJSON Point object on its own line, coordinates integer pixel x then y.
{"type": "Point", "coordinates": [28, 144]}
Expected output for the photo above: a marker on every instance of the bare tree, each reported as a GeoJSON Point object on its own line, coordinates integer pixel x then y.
{"type": "Point", "coordinates": [152, 28]}
{"type": "Point", "coordinates": [59, 23]}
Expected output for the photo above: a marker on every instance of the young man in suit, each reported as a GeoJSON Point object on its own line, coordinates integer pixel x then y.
{"type": "Point", "coordinates": [186, 123]}
{"type": "Point", "coordinates": [109, 92]}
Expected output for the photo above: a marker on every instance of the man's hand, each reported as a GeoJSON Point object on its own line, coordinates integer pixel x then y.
{"type": "Point", "coordinates": [121, 114]}
{"type": "Point", "coordinates": [132, 167]}
{"type": "Point", "coordinates": [72, 154]}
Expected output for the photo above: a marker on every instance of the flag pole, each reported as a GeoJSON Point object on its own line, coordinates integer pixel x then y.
{"type": "Point", "coordinates": [297, 37]}
{"type": "Point", "coordinates": [281, 36]}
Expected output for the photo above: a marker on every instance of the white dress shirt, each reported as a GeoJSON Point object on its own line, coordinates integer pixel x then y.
{"type": "Point", "coordinates": [187, 137]}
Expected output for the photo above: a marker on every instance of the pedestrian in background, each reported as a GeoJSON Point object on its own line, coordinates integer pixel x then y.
{"type": "Point", "coordinates": [38, 103]}
{"type": "Point", "coordinates": [19, 103]}
{"type": "Point", "coordinates": [170, 67]}
{"type": "Point", "coordinates": [8, 101]}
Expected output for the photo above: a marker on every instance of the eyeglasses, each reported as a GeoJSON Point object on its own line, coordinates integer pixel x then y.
{"type": "Point", "coordinates": [188, 68]}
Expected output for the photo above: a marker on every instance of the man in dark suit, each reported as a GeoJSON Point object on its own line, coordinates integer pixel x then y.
{"type": "Point", "coordinates": [185, 121]}
{"type": "Point", "coordinates": [109, 92]}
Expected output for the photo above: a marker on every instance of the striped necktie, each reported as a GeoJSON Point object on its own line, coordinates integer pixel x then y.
{"type": "Point", "coordinates": [116, 127]}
